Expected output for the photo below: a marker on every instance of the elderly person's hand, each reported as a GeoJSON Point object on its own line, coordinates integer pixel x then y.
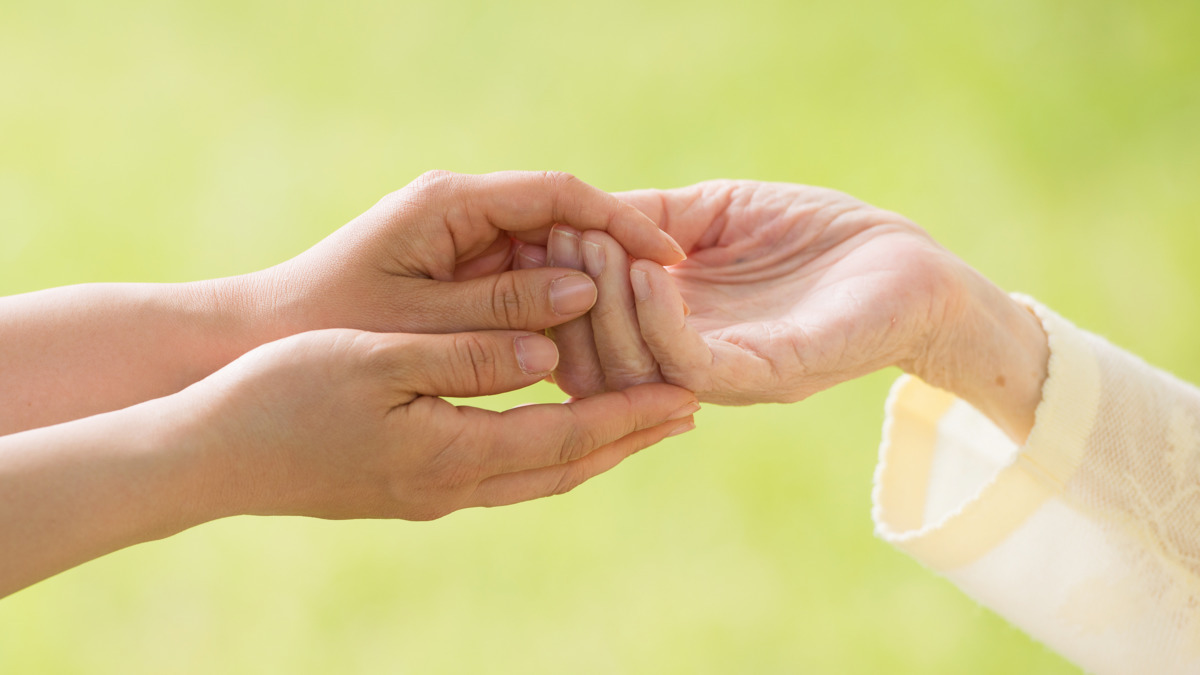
{"type": "Point", "coordinates": [789, 290]}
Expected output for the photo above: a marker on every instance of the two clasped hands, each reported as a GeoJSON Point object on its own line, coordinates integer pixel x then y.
{"type": "Point", "coordinates": [135, 411]}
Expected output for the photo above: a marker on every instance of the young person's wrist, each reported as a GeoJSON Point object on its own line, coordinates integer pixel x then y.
{"type": "Point", "coordinates": [242, 312]}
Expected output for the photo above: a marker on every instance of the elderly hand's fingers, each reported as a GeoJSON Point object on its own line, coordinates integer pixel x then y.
{"type": "Point", "coordinates": [682, 354]}
{"type": "Point", "coordinates": [528, 201]}
{"type": "Point", "coordinates": [463, 364]}
{"type": "Point", "coordinates": [530, 256]}
{"type": "Point", "coordinates": [579, 372]}
{"type": "Point", "coordinates": [716, 370]}
{"type": "Point", "coordinates": [531, 299]}
{"type": "Point", "coordinates": [535, 436]}
{"type": "Point", "coordinates": [624, 356]}
{"type": "Point", "coordinates": [523, 486]}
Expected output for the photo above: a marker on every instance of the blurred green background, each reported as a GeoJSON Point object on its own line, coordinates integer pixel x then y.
{"type": "Point", "coordinates": [1054, 144]}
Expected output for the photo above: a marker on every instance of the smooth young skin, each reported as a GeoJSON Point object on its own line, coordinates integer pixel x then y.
{"type": "Point", "coordinates": [332, 424]}
{"type": "Point", "coordinates": [791, 290]}
{"type": "Point", "coordinates": [434, 257]}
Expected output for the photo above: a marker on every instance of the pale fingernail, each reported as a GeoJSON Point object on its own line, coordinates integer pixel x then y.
{"type": "Point", "coordinates": [689, 409]}
{"type": "Point", "coordinates": [675, 245]}
{"type": "Point", "coordinates": [641, 285]}
{"type": "Point", "coordinates": [593, 258]}
{"type": "Point", "coordinates": [536, 354]}
{"type": "Point", "coordinates": [564, 248]}
{"type": "Point", "coordinates": [532, 260]}
{"type": "Point", "coordinates": [572, 295]}
{"type": "Point", "coordinates": [682, 429]}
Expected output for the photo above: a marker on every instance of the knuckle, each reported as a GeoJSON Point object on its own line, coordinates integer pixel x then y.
{"type": "Point", "coordinates": [560, 184]}
{"type": "Point", "coordinates": [622, 210]}
{"type": "Point", "coordinates": [606, 313]}
{"type": "Point", "coordinates": [569, 480]}
{"type": "Point", "coordinates": [508, 303]}
{"type": "Point", "coordinates": [578, 442]}
{"type": "Point", "coordinates": [434, 178]}
{"type": "Point", "coordinates": [559, 179]}
{"type": "Point", "coordinates": [477, 359]}
{"type": "Point", "coordinates": [633, 374]}
{"type": "Point", "coordinates": [430, 183]}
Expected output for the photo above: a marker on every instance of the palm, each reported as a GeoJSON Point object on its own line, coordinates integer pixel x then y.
{"type": "Point", "coordinates": [795, 288]}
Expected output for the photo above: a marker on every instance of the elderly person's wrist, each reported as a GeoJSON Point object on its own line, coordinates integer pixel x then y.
{"type": "Point", "coordinates": [989, 350]}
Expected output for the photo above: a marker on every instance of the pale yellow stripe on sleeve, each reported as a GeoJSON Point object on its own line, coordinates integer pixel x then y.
{"type": "Point", "coordinates": [915, 410]}
{"type": "Point", "coordinates": [902, 487]}
{"type": "Point", "coordinates": [1056, 445]}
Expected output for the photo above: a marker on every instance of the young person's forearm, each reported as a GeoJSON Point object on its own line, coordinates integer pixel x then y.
{"type": "Point", "coordinates": [75, 491]}
{"type": "Point", "coordinates": [71, 352]}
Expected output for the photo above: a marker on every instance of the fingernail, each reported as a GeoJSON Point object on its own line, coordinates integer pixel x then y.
{"type": "Point", "coordinates": [533, 257]}
{"type": "Point", "coordinates": [536, 354]}
{"type": "Point", "coordinates": [689, 409]}
{"type": "Point", "coordinates": [675, 245]}
{"type": "Point", "coordinates": [682, 429]}
{"type": "Point", "coordinates": [641, 285]}
{"type": "Point", "coordinates": [687, 311]}
{"type": "Point", "coordinates": [564, 248]}
{"type": "Point", "coordinates": [572, 295]}
{"type": "Point", "coordinates": [593, 258]}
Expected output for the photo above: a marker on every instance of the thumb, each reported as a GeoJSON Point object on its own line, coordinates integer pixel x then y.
{"type": "Point", "coordinates": [532, 299]}
{"type": "Point", "coordinates": [467, 364]}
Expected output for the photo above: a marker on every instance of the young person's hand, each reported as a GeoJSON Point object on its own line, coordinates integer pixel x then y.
{"type": "Point", "coordinates": [332, 424]}
{"type": "Point", "coordinates": [437, 256]}
{"type": "Point", "coordinates": [348, 424]}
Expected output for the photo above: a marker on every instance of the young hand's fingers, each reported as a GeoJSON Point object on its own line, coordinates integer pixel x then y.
{"type": "Point", "coordinates": [624, 356]}
{"type": "Point", "coordinates": [463, 364]}
{"type": "Point", "coordinates": [523, 201]}
{"type": "Point", "coordinates": [535, 436]}
{"type": "Point", "coordinates": [529, 299]}
{"type": "Point", "coordinates": [579, 372]}
{"type": "Point", "coordinates": [522, 486]}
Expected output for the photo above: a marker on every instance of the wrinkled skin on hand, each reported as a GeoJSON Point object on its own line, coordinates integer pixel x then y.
{"type": "Point", "coordinates": [787, 290]}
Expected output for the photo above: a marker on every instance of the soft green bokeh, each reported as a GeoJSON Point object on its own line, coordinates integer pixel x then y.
{"type": "Point", "coordinates": [1053, 144]}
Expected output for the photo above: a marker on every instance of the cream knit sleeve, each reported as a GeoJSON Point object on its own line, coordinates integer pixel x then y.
{"type": "Point", "coordinates": [1088, 537]}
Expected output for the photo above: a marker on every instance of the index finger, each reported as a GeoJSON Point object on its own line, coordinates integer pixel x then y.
{"type": "Point", "coordinates": [685, 213]}
{"type": "Point", "coordinates": [527, 203]}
